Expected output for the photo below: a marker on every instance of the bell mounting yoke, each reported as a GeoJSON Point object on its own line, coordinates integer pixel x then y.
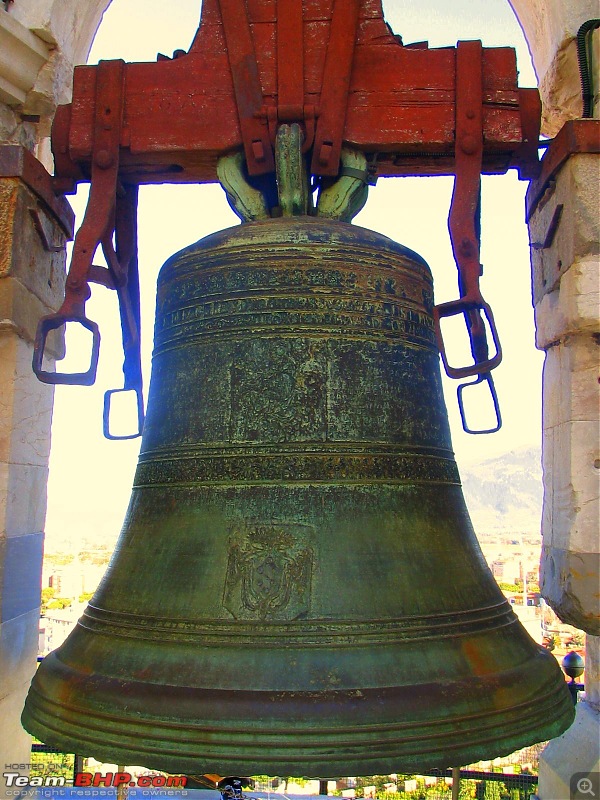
{"type": "Point", "coordinates": [337, 70]}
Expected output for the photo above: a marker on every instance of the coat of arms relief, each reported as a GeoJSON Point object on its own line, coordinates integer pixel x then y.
{"type": "Point", "coordinates": [269, 571]}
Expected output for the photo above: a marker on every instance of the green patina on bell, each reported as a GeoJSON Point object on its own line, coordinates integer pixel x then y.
{"type": "Point", "coordinates": [297, 588]}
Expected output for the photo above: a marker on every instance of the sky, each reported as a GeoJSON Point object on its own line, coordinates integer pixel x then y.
{"type": "Point", "coordinates": [90, 477]}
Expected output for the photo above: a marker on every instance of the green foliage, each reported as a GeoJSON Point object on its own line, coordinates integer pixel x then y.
{"type": "Point", "coordinates": [468, 790]}
{"type": "Point", "coordinates": [100, 556]}
{"type": "Point", "coordinates": [59, 559]}
{"type": "Point", "coordinates": [60, 602]}
{"type": "Point", "coordinates": [423, 792]}
{"type": "Point", "coordinates": [551, 641]}
{"type": "Point", "coordinates": [47, 594]}
{"type": "Point", "coordinates": [51, 765]}
{"type": "Point", "coordinates": [85, 596]}
{"type": "Point", "coordinates": [494, 790]}
{"type": "Point", "coordinates": [510, 587]}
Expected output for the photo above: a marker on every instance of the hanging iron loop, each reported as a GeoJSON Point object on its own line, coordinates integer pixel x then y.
{"type": "Point", "coordinates": [485, 376]}
{"type": "Point", "coordinates": [123, 266]}
{"type": "Point", "coordinates": [464, 219]}
{"type": "Point", "coordinates": [51, 323]}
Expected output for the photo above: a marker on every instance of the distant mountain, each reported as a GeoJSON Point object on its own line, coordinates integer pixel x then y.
{"type": "Point", "coordinates": [505, 492]}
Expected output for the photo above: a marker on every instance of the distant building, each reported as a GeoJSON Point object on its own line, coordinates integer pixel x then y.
{"type": "Point", "coordinates": [56, 625]}
{"type": "Point", "coordinates": [75, 578]}
{"type": "Point", "coordinates": [507, 570]}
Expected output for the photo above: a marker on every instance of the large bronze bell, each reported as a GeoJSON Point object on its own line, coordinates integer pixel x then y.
{"type": "Point", "coordinates": [297, 588]}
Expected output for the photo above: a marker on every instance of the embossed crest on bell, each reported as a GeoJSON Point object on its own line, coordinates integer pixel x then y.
{"type": "Point", "coordinates": [269, 572]}
{"type": "Point", "coordinates": [297, 588]}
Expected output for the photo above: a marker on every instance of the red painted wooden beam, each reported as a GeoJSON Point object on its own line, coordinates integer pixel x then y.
{"type": "Point", "coordinates": [181, 115]}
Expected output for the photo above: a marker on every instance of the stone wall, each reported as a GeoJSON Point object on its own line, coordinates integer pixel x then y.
{"type": "Point", "coordinates": [36, 62]}
{"type": "Point", "coordinates": [32, 271]}
{"type": "Point", "coordinates": [566, 294]}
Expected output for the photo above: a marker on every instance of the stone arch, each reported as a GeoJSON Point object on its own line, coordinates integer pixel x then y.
{"type": "Point", "coordinates": [68, 24]}
{"type": "Point", "coordinates": [549, 27]}
{"type": "Point", "coordinates": [49, 37]}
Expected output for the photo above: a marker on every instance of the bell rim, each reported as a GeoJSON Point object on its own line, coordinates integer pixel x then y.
{"type": "Point", "coordinates": [311, 750]}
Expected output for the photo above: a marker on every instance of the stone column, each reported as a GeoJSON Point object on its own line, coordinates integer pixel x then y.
{"type": "Point", "coordinates": [564, 221]}
{"type": "Point", "coordinates": [34, 226]}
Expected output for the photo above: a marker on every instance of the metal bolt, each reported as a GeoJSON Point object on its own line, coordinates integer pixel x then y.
{"type": "Point", "coordinates": [258, 151]}
{"type": "Point", "coordinates": [325, 153]}
{"type": "Point", "coordinates": [467, 248]}
{"type": "Point", "coordinates": [104, 159]}
{"type": "Point", "coordinates": [468, 144]}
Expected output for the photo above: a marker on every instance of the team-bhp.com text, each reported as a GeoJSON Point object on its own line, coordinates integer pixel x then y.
{"type": "Point", "coordinates": [95, 779]}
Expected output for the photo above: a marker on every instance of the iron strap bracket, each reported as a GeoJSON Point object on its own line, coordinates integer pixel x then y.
{"type": "Point", "coordinates": [247, 88]}
{"type": "Point", "coordinates": [576, 136]}
{"type": "Point", "coordinates": [111, 209]}
{"type": "Point", "coordinates": [464, 218]}
{"type": "Point", "coordinates": [329, 132]}
{"type": "Point", "coordinates": [464, 225]}
{"type": "Point", "coordinates": [290, 75]}
{"type": "Point", "coordinates": [97, 225]}
{"type": "Point", "coordinates": [290, 61]}
{"type": "Point", "coordinates": [123, 267]}
{"type": "Point", "coordinates": [324, 127]}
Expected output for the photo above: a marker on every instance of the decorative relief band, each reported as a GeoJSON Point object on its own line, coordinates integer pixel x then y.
{"type": "Point", "coordinates": [223, 283]}
{"type": "Point", "coordinates": [218, 273]}
{"type": "Point", "coordinates": [275, 327]}
{"type": "Point", "coordinates": [296, 315]}
{"type": "Point", "coordinates": [302, 633]}
{"type": "Point", "coordinates": [217, 300]}
{"type": "Point", "coordinates": [332, 467]}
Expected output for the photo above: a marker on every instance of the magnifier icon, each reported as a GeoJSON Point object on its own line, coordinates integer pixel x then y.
{"type": "Point", "coordinates": [585, 786]}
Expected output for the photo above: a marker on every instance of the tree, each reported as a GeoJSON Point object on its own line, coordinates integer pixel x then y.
{"type": "Point", "coordinates": [48, 593]}
{"type": "Point", "coordinates": [51, 764]}
{"type": "Point", "coordinates": [551, 641]}
{"type": "Point", "coordinates": [510, 587]}
{"type": "Point", "coordinates": [60, 602]}
{"type": "Point", "coordinates": [492, 791]}
{"type": "Point", "coordinates": [468, 790]}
